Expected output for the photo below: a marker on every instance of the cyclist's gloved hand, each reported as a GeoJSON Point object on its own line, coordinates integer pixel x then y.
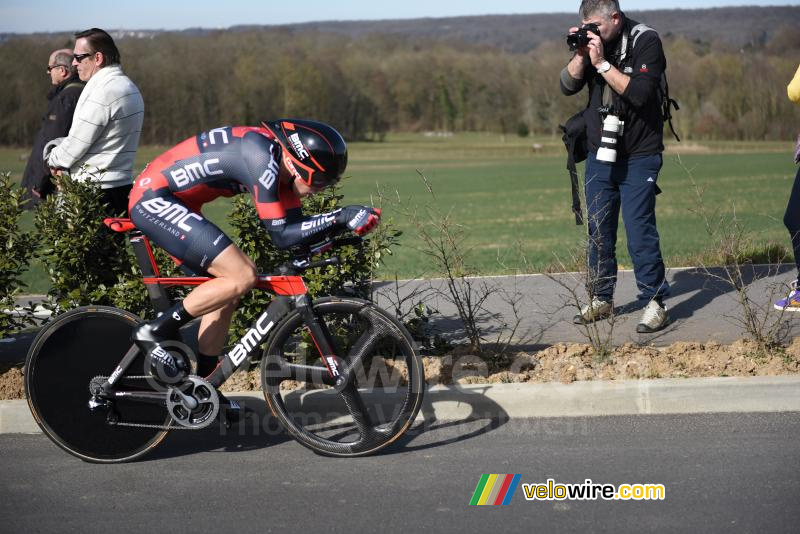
{"type": "Point", "coordinates": [360, 219]}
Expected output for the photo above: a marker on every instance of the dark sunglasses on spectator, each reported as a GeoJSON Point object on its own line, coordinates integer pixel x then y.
{"type": "Point", "coordinates": [80, 57]}
{"type": "Point", "coordinates": [51, 67]}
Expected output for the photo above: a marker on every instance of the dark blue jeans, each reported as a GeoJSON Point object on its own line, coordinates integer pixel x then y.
{"type": "Point", "coordinates": [629, 184]}
{"type": "Point", "coordinates": [792, 219]}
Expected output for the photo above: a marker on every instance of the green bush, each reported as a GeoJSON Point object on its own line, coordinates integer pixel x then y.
{"type": "Point", "coordinates": [87, 263]}
{"type": "Point", "coordinates": [18, 249]}
{"type": "Point", "coordinates": [352, 277]}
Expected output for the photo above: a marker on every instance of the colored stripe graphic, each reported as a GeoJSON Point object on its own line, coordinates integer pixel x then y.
{"type": "Point", "coordinates": [487, 490]}
{"type": "Point", "coordinates": [511, 489]}
{"type": "Point", "coordinates": [478, 490]}
{"type": "Point", "coordinates": [495, 490]}
{"type": "Point", "coordinates": [503, 489]}
{"type": "Point", "coordinates": [498, 484]}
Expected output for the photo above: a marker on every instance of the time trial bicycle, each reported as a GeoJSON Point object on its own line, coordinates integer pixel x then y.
{"type": "Point", "coordinates": [340, 374]}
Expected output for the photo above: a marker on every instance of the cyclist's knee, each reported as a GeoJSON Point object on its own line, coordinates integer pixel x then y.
{"type": "Point", "coordinates": [245, 280]}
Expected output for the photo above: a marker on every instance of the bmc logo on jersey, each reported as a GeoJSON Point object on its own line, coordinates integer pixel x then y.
{"type": "Point", "coordinates": [271, 172]}
{"type": "Point", "coordinates": [191, 172]}
{"type": "Point", "coordinates": [357, 219]}
{"type": "Point", "coordinates": [171, 212]}
{"type": "Point", "coordinates": [316, 222]}
{"type": "Point", "coordinates": [298, 145]}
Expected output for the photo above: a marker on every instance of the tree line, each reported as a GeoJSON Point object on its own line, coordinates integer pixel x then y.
{"type": "Point", "coordinates": [368, 85]}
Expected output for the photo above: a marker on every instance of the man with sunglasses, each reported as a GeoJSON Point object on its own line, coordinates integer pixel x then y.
{"type": "Point", "coordinates": [104, 136]}
{"type": "Point", "coordinates": [277, 163]}
{"type": "Point", "coordinates": [63, 98]}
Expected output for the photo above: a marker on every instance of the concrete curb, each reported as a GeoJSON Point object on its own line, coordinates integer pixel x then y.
{"type": "Point", "coordinates": [519, 401]}
{"type": "Point", "coordinates": [16, 418]}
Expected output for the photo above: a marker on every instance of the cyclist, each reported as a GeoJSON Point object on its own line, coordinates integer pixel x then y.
{"type": "Point", "coordinates": [278, 163]}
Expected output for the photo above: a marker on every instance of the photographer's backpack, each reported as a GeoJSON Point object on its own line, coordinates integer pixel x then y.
{"type": "Point", "coordinates": [577, 150]}
{"type": "Point", "coordinates": [667, 103]}
{"type": "Point", "coordinates": [575, 139]}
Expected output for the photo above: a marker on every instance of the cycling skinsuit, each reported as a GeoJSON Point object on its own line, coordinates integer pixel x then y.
{"type": "Point", "coordinates": [167, 196]}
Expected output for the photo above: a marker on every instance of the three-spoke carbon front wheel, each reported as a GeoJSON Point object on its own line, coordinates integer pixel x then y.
{"type": "Point", "coordinates": [385, 379]}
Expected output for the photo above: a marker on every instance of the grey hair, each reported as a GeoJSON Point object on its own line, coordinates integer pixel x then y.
{"type": "Point", "coordinates": [605, 8]}
{"type": "Point", "coordinates": [65, 59]}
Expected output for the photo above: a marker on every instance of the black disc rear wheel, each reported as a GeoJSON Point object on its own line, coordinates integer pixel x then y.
{"type": "Point", "coordinates": [380, 402]}
{"type": "Point", "coordinates": [66, 355]}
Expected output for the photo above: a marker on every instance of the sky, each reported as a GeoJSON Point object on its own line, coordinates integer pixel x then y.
{"type": "Point", "coordinates": [26, 16]}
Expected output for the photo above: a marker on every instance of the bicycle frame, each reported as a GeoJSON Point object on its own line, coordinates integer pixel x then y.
{"type": "Point", "coordinates": [291, 293]}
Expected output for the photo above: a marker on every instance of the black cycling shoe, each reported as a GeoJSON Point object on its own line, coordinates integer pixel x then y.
{"type": "Point", "coordinates": [163, 365]}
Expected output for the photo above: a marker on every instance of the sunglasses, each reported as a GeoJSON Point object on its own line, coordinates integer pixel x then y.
{"type": "Point", "coordinates": [80, 57]}
{"type": "Point", "coordinates": [51, 67]}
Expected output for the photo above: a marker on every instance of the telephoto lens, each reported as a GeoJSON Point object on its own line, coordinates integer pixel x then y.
{"type": "Point", "coordinates": [612, 131]}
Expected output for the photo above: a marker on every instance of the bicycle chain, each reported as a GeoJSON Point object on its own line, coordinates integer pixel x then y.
{"type": "Point", "coordinates": [140, 425]}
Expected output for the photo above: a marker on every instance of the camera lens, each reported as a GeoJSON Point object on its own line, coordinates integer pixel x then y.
{"type": "Point", "coordinates": [572, 41]}
{"type": "Point", "coordinates": [612, 126]}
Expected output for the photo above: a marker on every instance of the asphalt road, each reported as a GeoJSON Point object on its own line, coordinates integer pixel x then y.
{"type": "Point", "coordinates": [722, 473]}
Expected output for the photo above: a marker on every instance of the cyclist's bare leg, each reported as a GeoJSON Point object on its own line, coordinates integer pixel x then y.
{"type": "Point", "coordinates": [212, 336]}
{"type": "Point", "coordinates": [214, 329]}
{"type": "Point", "coordinates": [235, 274]}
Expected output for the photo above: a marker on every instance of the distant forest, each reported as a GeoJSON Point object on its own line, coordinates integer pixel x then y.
{"type": "Point", "coordinates": [728, 69]}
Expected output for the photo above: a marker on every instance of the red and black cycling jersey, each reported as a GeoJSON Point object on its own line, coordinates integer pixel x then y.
{"type": "Point", "coordinates": [224, 162]}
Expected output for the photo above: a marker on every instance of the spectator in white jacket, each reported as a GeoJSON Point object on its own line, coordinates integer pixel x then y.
{"type": "Point", "coordinates": [104, 136]}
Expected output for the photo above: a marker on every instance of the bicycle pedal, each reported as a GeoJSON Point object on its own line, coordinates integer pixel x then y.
{"type": "Point", "coordinates": [233, 412]}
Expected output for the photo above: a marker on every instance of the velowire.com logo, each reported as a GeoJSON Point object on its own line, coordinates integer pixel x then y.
{"type": "Point", "coordinates": [499, 490]}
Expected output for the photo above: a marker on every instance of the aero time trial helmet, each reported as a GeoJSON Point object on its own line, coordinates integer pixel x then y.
{"type": "Point", "coordinates": [317, 152]}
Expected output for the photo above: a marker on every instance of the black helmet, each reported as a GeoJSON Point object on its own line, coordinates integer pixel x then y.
{"type": "Point", "coordinates": [317, 152]}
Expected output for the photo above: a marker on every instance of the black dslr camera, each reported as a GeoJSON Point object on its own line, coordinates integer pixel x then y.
{"type": "Point", "coordinates": [581, 37]}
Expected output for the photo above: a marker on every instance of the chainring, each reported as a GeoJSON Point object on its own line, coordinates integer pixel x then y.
{"type": "Point", "coordinates": [206, 396]}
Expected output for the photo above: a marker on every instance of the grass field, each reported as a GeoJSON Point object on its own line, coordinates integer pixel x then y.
{"type": "Point", "coordinates": [509, 197]}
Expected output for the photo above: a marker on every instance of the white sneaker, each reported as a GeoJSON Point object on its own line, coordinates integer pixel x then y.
{"type": "Point", "coordinates": [597, 310]}
{"type": "Point", "coordinates": [654, 318]}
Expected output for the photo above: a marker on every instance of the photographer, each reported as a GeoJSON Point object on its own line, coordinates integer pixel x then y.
{"type": "Point", "coordinates": [622, 63]}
